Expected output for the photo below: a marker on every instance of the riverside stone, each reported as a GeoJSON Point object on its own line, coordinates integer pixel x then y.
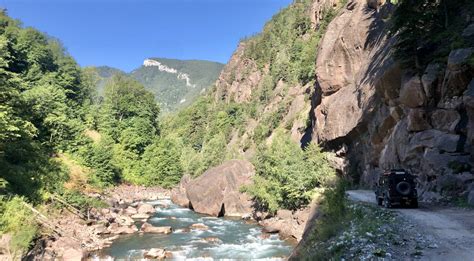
{"type": "Point", "coordinates": [148, 228]}
{"type": "Point", "coordinates": [217, 191]}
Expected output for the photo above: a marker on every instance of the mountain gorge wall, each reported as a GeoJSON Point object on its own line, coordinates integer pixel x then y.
{"type": "Point", "coordinates": [379, 116]}
{"type": "Point", "coordinates": [364, 106]}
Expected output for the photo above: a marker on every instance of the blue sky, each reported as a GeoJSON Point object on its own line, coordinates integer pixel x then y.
{"type": "Point", "coordinates": [121, 33]}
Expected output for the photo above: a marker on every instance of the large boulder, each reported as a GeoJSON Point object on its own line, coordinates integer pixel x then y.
{"type": "Point", "coordinates": [430, 78]}
{"type": "Point", "coordinates": [145, 208]}
{"type": "Point", "coordinates": [178, 194]}
{"type": "Point", "coordinates": [217, 191]}
{"type": "Point", "coordinates": [459, 73]}
{"type": "Point", "coordinates": [445, 120]}
{"type": "Point", "coordinates": [287, 223]}
{"type": "Point", "coordinates": [417, 120]}
{"type": "Point", "coordinates": [353, 57]}
{"type": "Point", "coordinates": [157, 254]}
{"type": "Point", "coordinates": [412, 94]}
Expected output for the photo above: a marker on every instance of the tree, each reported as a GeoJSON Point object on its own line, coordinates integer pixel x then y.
{"type": "Point", "coordinates": [161, 163]}
{"type": "Point", "coordinates": [426, 29]}
{"type": "Point", "coordinates": [286, 175]}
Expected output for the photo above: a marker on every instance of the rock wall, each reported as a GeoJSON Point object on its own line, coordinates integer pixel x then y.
{"type": "Point", "coordinates": [381, 116]}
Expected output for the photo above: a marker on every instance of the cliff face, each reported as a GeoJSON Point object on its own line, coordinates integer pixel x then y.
{"type": "Point", "coordinates": [363, 105]}
{"type": "Point", "coordinates": [379, 116]}
{"type": "Point", "coordinates": [251, 79]}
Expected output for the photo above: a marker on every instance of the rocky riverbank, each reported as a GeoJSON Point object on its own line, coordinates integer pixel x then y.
{"type": "Point", "coordinates": [75, 236]}
{"type": "Point", "coordinates": [217, 193]}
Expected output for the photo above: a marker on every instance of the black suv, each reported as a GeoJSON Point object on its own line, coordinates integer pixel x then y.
{"type": "Point", "coordinates": [396, 187]}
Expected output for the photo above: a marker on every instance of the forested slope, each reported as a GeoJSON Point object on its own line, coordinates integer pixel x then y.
{"type": "Point", "coordinates": [58, 138]}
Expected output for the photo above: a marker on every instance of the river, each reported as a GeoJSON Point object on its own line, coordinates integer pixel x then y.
{"type": "Point", "coordinates": [231, 238]}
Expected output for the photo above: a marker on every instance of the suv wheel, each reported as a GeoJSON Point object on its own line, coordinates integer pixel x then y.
{"type": "Point", "coordinates": [386, 202]}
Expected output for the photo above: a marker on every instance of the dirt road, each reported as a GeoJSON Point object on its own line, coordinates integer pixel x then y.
{"type": "Point", "coordinates": [452, 228]}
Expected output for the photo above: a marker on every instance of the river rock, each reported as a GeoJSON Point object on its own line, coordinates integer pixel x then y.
{"type": "Point", "coordinates": [269, 229]}
{"type": "Point", "coordinates": [130, 210]}
{"type": "Point", "coordinates": [199, 226]}
{"type": "Point", "coordinates": [375, 4]}
{"type": "Point", "coordinates": [213, 240]}
{"type": "Point", "coordinates": [125, 230]}
{"type": "Point", "coordinates": [155, 253]}
{"type": "Point", "coordinates": [100, 229]}
{"type": "Point", "coordinates": [217, 191]}
{"type": "Point", "coordinates": [124, 220]}
{"type": "Point", "coordinates": [145, 208]}
{"type": "Point", "coordinates": [148, 228]}
{"type": "Point", "coordinates": [140, 216]}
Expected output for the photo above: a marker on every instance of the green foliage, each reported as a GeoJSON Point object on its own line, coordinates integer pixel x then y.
{"type": "Point", "coordinates": [288, 43]}
{"type": "Point", "coordinates": [82, 202]}
{"type": "Point", "coordinates": [16, 220]}
{"type": "Point", "coordinates": [162, 163]}
{"type": "Point", "coordinates": [287, 175]}
{"type": "Point", "coordinates": [99, 157]}
{"type": "Point", "coordinates": [171, 92]}
{"type": "Point", "coordinates": [205, 130]}
{"type": "Point", "coordinates": [42, 102]}
{"type": "Point", "coordinates": [428, 30]}
{"type": "Point", "coordinates": [459, 167]}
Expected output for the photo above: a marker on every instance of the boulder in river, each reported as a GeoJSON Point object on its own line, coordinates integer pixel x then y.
{"type": "Point", "coordinates": [213, 240]}
{"type": "Point", "coordinates": [148, 228]}
{"type": "Point", "coordinates": [178, 194]}
{"type": "Point", "coordinates": [156, 253]}
{"type": "Point", "coordinates": [145, 208]}
{"type": "Point", "coordinates": [199, 226]}
{"type": "Point", "coordinates": [217, 191]}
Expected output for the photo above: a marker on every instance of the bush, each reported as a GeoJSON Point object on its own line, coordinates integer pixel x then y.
{"type": "Point", "coordinates": [99, 157]}
{"type": "Point", "coordinates": [286, 175]}
{"type": "Point", "coordinates": [82, 202]}
{"type": "Point", "coordinates": [16, 220]}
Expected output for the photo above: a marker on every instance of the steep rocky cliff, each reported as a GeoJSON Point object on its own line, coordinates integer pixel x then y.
{"type": "Point", "coordinates": [362, 104]}
{"type": "Point", "coordinates": [381, 116]}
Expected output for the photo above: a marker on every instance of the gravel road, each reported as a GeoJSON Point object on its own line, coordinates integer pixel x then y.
{"type": "Point", "coordinates": [452, 228]}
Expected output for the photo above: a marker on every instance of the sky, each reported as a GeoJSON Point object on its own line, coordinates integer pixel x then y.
{"type": "Point", "coordinates": [122, 33]}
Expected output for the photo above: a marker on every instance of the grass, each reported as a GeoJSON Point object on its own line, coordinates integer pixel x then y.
{"type": "Point", "coordinates": [340, 223]}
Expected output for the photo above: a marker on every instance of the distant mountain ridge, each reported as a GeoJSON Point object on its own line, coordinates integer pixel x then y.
{"type": "Point", "coordinates": [175, 83]}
